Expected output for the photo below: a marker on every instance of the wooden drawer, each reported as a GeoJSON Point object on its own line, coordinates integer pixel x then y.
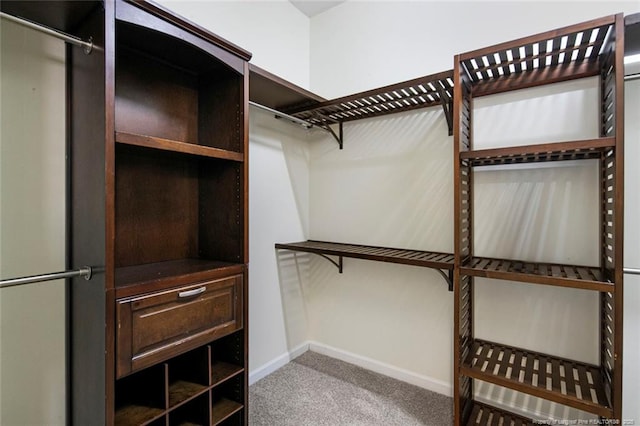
{"type": "Point", "coordinates": [157, 326]}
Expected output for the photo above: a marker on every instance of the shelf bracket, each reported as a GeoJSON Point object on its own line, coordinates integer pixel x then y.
{"type": "Point", "coordinates": [337, 264]}
{"type": "Point", "coordinates": [447, 106]}
{"type": "Point", "coordinates": [448, 277]}
{"type": "Point", "coordinates": [324, 119]}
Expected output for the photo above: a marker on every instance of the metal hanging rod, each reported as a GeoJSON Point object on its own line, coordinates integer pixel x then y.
{"type": "Point", "coordinates": [85, 272]}
{"type": "Point", "coordinates": [631, 77]}
{"type": "Point", "coordinates": [279, 114]}
{"type": "Point", "coordinates": [77, 41]}
{"type": "Point", "coordinates": [632, 271]}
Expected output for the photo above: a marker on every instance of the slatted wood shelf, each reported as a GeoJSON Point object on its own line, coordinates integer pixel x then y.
{"type": "Point", "coordinates": [483, 414]}
{"type": "Point", "coordinates": [564, 381]}
{"type": "Point", "coordinates": [380, 254]}
{"type": "Point", "coordinates": [584, 277]}
{"type": "Point", "coordinates": [559, 151]}
{"type": "Point", "coordinates": [558, 55]}
{"type": "Point", "coordinates": [423, 92]}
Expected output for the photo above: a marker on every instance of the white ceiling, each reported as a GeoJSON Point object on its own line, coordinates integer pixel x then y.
{"type": "Point", "coordinates": [312, 8]}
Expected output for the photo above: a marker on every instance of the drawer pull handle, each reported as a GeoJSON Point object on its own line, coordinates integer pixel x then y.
{"type": "Point", "coordinates": [190, 293]}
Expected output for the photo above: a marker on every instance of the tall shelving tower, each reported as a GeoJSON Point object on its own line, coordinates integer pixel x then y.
{"type": "Point", "coordinates": [593, 48]}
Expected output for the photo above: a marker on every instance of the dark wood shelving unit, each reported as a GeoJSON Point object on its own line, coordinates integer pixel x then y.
{"type": "Point", "coordinates": [593, 48]}
{"type": "Point", "coordinates": [158, 194]}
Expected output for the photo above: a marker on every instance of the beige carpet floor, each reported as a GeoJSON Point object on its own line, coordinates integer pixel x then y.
{"type": "Point", "coordinates": [318, 390]}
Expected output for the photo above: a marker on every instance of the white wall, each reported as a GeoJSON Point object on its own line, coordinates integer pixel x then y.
{"type": "Point", "coordinates": [631, 351]}
{"type": "Point", "coordinates": [273, 30]}
{"type": "Point", "coordinates": [360, 45]}
{"type": "Point", "coordinates": [32, 230]}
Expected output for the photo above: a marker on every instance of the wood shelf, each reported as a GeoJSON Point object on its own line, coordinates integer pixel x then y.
{"type": "Point", "coordinates": [138, 279]}
{"type": "Point", "coordinates": [584, 277]}
{"type": "Point", "coordinates": [181, 391]}
{"type": "Point", "coordinates": [274, 92]}
{"type": "Point", "coordinates": [559, 151]}
{"type": "Point", "coordinates": [434, 260]}
{"type": "Point", "coordinates": [137, 415]}
{"type": "Point", "coordinates": [559, 55]}
{"type": "Point", "coordinates": [223, 409]}
{"type": "Point", "coordinates": [422, 92]}
{"type": "Point", "coordinates": [568, 382]}
{"type": "Point", "coordinates": [379, 254]}
{"type": "Point", "coordinates": [483, 414]}
{"type": "Point", "coordinates": [223, 371]}
{"type": "Point", "coordinates": [177, 146]}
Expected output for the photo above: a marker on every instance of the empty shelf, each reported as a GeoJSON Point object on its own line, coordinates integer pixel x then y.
{"type": "Point", "coordinates": [585, 277]}
{"type": "Point", "coordinates": [559, 151]}
{"type": "Point", "coordinates": [553, 56]}
{"type": "Point", "coordinates": [380, 254]}
{"type": "Point", "coordinates": [274, 92]}
{"type": "Point", "coordinates": [482, 414]}
{"type": "Point", "coordinates": [177, 146]}
{"type": "Point", "coordinates": [423, 92]}
{"type": "Point", "coordinates": [568, 382]}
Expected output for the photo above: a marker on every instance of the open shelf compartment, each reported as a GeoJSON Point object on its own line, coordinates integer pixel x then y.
{"type": "Point", "coordinates": [568, 382]}
{"type": "Point", "coordinates": [227, 358]}
{"type": "Point", "coordinates": [140, 398]}
{"type": "Point", "coordinates": [187, 376]}
{"type": "Point", "coordinates": [176, 214]}
{"type": "Point", "coordinates": [171, 94]}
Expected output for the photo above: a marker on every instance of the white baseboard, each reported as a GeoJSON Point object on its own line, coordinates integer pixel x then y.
{"type": "Point", "coordinates": [397, 373]}
{"type": "Point", "coordinates": [276, 363]}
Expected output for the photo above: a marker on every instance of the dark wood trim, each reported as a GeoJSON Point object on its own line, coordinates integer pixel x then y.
{"type": "Point", "coordinates": [619, 217]}
{"type": "Point", "coordinates": [181, 22]}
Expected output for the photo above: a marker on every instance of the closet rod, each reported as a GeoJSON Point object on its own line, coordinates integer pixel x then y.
{"type": "Point", "coordinates": [82, 272]}
{"type": "Point", "coordinates": [631, 77]}
{"type": "Point", "coordinates": [633, 271]}
{"type": "Point", "coordinates": [77, 41]}
{"type": "Point", "coordinates": [279, 114]}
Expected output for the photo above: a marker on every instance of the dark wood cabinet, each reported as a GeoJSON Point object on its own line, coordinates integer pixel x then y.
{"type": "Point", "coordinates": [157, 131]}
